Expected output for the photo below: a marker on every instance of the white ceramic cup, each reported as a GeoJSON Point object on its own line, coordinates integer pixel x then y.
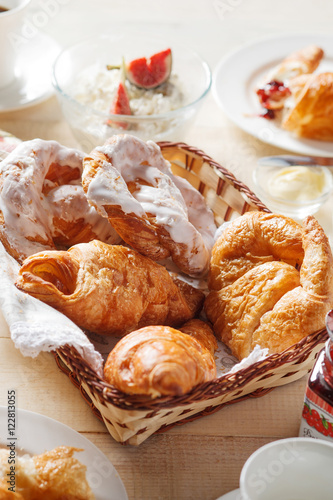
{"type": "Point", "coordinates": [11, 21]}
{"type": "Point", "coordinates": [289, 469]}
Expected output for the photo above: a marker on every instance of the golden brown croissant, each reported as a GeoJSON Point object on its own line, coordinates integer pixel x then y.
{"type": "Point", "coordinates": [108, 289]}
{"type": "Point", "coordinates": [235, 311]}
{"type": "Point", "coordinates": [302, 310]}
{"type": "Point", "coordinates": [156, 212]}
{"type": "Point", "coordinates": [272, 304]}
{"type": "Point", "coordinates": [42, 203]}
{"type": "Point", "coordinates": [53, 475]}
{"type": "Point", "coordinates": [312, 114]}
{"type": "Point", "coordinates": [297, 84]}
{"type": "Point", "coordinates": [251, 240]}
{"type": "Point", "coordinates": [161, 361]}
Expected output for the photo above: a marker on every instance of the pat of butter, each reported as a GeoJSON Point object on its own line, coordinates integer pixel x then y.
{"type": "Point", "coordinates": [297, 183]}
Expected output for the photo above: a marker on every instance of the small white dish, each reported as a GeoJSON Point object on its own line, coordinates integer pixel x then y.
{"type": "Point", "coordinates": [35, 433]}
{"type": "Point", "coordinates": [237, 75]}
{"type": "Point", "coordinates": [232, 495]}
{"type": "Point", "coordinates": [295, 191]}
{"type": "Point", "coordinates": [33, 81]}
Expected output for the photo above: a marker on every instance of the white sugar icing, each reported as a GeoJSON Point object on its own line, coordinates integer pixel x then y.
{"type": "Point", "coordinates": [28, 212]}
{"type": "Point", "coordinates": [175, 205]}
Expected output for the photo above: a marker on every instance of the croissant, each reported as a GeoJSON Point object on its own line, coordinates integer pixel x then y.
{"type": "Point", "coordinates": [312, 114]}
{"type": "Point", "coordinates": [251, 240]}
{"type": "Point", "coordinates": [109, 289]}
{"type": "Point", "coordinates": [53, 475]}
{"type": "Point", "coordinates": [161, 361]}
{"type": "Point", "coordinates": [154, 211]}
{"type": "Point", "coordinates": [272, 304]}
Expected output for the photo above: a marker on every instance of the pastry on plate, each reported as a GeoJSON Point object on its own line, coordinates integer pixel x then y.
{"type": "Point", "coordinates": [274, 90]}
{"type": "Point", "coordinates": [311, 116]}
{"type": "Point", "coordinates": [108, 289]}
{"type": "Point", "coordinates": [162, 361]}
{"type": "Point", "coordinates": [53, 475]}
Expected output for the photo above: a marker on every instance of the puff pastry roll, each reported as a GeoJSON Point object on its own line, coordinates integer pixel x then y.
{"type": "Point", "coordinates": [312, 114]}
{"type": "Point", "coordinates": [53, 475]}
{"type": "Point", "coordinates": [274, 90]}
{"type": "Point", "coordinates": [161, 361]}
{"type": "Point", "coordinates": [109, 289]}
{"type": "Point", "coordinates": [272, 304]}
{"type": "Point", "coordinates": [300, 62]}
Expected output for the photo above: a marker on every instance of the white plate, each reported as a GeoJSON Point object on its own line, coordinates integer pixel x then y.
{"type": "Point", "coordinates": [235, 78]}
{"type": "Point", "coordinates": [33, 82]}
{"type": "Point", "coordinates": [232, 495]}
{"type": "Point", "coordinates": [36, 433]}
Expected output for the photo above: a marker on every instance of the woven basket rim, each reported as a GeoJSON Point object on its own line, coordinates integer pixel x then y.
{"type": "Point", "coordinates": [294, 354]}
{"type": "Point", "coordinates": [239, 185]}
{"type": "Point", "coordinates": [207, 390]}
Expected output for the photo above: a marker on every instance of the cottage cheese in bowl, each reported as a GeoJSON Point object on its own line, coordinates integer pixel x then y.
{"type": "Point", "coordinates": [96, 86]}
{"type": "Point", "coordinates": [86, 88]}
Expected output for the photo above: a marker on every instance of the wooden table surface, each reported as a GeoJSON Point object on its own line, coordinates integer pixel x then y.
{"type": "Point", "coordinates": [202, 459]}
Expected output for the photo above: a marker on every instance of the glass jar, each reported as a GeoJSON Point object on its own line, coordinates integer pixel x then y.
{"type": "Point", "coordinates": [317, 414]}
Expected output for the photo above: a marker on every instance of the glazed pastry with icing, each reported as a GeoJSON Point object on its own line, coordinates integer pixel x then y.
{"type": "Point", "coordinates": [271, 303]}
{"type": "Point", "coordinates": [108, 289]}
{"type": "Point", "coordinates": [53, 475]}
{"type": "Point", "coordinates": [157, 213]}
{"type": "Point", "coordinates": [161, 361]}
{"type": "Point", "coordinates": [42, 203]}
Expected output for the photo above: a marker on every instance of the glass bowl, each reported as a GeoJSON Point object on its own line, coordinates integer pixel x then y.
{"type": "Point", "coordinates": [295, 191]}
{"type": "Point", "coordinates": [74, 73]}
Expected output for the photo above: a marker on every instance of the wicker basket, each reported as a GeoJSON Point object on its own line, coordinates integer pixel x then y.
{"type": "Point", "coordinates": [132, 419]}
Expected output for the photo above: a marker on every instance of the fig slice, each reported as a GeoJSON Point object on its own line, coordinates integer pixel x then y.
{"type": "Point", "coordinates": [152, 72]}
{"type": "Point", "coordinates": [120, 106]}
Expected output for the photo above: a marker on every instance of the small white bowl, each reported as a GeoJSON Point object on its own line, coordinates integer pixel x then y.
{"type": "Point", "coordinates": [292, 468]}
{"type": "Point", "coordinates": [294, 191]}
{"type": "Point", "coordinates": [92, 126]}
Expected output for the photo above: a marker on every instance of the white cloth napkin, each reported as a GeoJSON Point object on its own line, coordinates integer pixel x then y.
{"type": "Point", "coordinates": [35, 326]}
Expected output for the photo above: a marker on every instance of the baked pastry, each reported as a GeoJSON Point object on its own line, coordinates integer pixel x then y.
{"type": "Point", "coordinates": [311, 116]}
{"type": "Point", "coordinates": [161, 361]}
{"type": "Point", "coordinates": [157, 213]}
{"type": "Point", "coordinates": [53, 475]}
{"type": "Point", "coordinates": [42, 203]}
{"type": "Point", "coordinates": [272, 304]}
{"type": "Point", "coordinates": [300, 62]}
{"type": "Point", "coordinates": [201, 331]}
{"type": "Point", "coordinates": [274, 90]}
{"type": "Point", "coordinates": [108, 289]}
{"type": "Point", "coordinates": [305, 97]}
{"type": "Point", "coordinates": [251, 240]}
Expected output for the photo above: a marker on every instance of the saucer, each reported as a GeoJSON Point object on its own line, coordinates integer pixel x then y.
{"type": "Point", "coordinates": [33, 82]}
{"type": "Point", "coordinates": [232, 495]}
